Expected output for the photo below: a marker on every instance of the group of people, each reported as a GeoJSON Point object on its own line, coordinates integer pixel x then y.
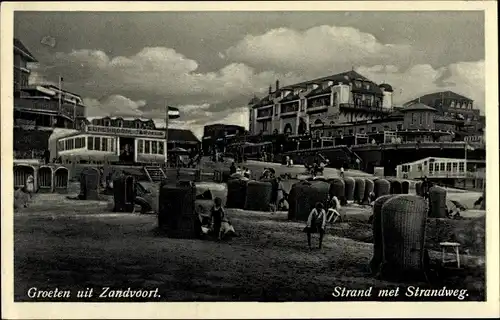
{"type": "Point", "coordinates": [217, 223]}
{"type": "Point", "coordinates": [244, 171]}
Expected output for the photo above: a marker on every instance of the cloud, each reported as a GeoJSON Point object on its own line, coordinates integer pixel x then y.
{"type": "Point", "coordinates": [115, 105]}
{"type": "Point", "coordinates": [158, 73]}
{"type": "Point", "coordinates": [465, 78]}
{"type": "Point", "coordinates": [317, 49]}
{"type": "Point", "coordinates": [142, 84]}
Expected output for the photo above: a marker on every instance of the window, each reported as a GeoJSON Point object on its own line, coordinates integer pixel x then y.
{"type": "Point", "coordinates": [140, 146]}
{"type": "Point", "coordinates": [264, 126]}
{"type": "Point", "coordinates": [374, 129]}
{"type": "Point", "coordinates": [441, 166]}
{"type": "Point", "coordinates": [112, 144]}
{"type": "Point", "coordinates": [66, 144]}
{"type": "Point", "coordinates": [431, 169]}
{"type": "Point", "coordinates": [154, 147]}
{"type": "Point", "coordinates": [455, 165]}
{"type": "Point", "coordinates": [421, 118]}
{"type": "Point", "coordinates": [160, 147]}
{"type": "Point", "coordinates": [104, 144]}
{"type": "Point", "coordinates": [461, 167]}
{"type": "Point", "coordinates": [436, 167]}
{"type": "Point", "coordinates": [60, 145]}
{"type": "Point", "coordinates": [90, 143]}
{"type": "Point", "coordinates": [78, 143]}
{"type": "Point", "coordinates": [147, 147]}
{"type": "Point", "coordinates": [120, 123]}
{"type": "Point", "coordinates": [399, 127]}
{"type": "Point", "coordinates": [138, 124]}
{"type": "Point", "coordinates": [412, 118]}
{"type": "Point", "coordinates": [97, 143]}
{"type": "Point", "coordinates": [448, 167]}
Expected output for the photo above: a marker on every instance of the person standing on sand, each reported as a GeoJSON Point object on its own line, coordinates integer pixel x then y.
{"type": "Point", "coordinates": [30, 186]}
{"type": "Point", "coordinates": [316, 223]}
{"type": "Point", "coordinates": [217, 214]}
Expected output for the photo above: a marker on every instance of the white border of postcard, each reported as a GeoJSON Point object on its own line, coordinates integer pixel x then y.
{"type": "Point", "coordinates": [220, 310]}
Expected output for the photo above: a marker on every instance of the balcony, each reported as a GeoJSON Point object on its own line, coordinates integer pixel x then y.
{"type": "Point", "coordinates": [48, 106]}
{"type": "Point", "coordinates": [364, 107]}
{"type": "Point", "coordinates": [289, 110]}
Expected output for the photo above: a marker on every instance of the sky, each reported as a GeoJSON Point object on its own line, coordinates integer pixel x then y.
{"type": "Point", "coordinates": [210, 64]}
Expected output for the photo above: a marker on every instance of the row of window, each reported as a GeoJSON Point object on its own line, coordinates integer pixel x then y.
{"type": "Point", "coordinates": [71, 143]}
{"type": "Point", "coordinates": [150, 147]}
{"type": "Point", "coordinates": [437, 167]}
{"type": "Point", "coordinates": [101, 144]}
{"type": "Point", "coordinates": [447, 166]}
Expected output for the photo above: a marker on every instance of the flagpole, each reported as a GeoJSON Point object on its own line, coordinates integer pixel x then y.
{"type": "Point", "coordinates": [60, 95]}
{"type": "Point", "coordinates": [166, 136]}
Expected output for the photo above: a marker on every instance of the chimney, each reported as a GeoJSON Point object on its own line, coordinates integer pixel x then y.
{"type": "Point", "coordinates": [277, 85]}
{"type": "Point", "coordinates": [270, 89]}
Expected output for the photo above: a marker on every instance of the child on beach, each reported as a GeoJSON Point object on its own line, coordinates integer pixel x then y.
{"type": "Point", "coordinates": [316, 223]}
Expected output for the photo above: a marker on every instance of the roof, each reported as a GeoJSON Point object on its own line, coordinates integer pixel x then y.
{"type": "Point", "coordinates": [418, 106]}
{"type": "Point", "coordinates": [435, 99]}
{"type": "Point", "coordinates": [290, 97]}
{"type": "Point", "coordinates": [386, 87]}
{"type": "Point", "coordinates": [25, 52]}
{"type": "Point", "coordinates": [347, 76]}
{"type": "Point", "coordinates": [182, 135]}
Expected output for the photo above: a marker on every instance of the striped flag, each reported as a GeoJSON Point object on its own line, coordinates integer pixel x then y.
{"type": "Point", "coordinates": [173, 113]}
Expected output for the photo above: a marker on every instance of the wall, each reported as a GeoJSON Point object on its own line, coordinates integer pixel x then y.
{"type": "Point", "coordinates": [418, 120]}
{"type": "Point", "coordinates": [387, 100]}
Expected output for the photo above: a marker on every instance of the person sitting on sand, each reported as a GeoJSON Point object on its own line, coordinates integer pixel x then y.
{"type": "Point", "coordinates": [316, 223]}
{"type": "Point", "coordinates": [217, 214]}
{"type": "Point", "coordinates": [333, 210]}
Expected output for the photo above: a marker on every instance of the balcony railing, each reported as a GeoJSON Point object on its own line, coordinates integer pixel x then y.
{"type": "Point", "coordinates": [43, 104]}
{"type": "Point", "coordinates": [366, 108]}
{"type": "Point", "coordinates": [317, 108]}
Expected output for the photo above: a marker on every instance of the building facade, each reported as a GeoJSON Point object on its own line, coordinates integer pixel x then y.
{"type": "Point", "coordinates": [319, 104]}
{"type": "Point", "coordinates": [41, 105]}
{"type": "Point", "coordinates": [218, 135]}
{"type": "Point", "coordinates": [120, 139]}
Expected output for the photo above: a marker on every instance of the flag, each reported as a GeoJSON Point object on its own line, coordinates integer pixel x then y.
{"type": "Point", "coordinates": [49, 41]}
{"type": "Point", "coordinates": [173, 113]}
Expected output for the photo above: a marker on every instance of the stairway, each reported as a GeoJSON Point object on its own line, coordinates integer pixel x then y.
{"type": "Point", "coordinates": [155, 173]}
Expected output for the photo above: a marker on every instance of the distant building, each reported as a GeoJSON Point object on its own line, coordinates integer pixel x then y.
{"type": "Point", "coordinates": [218, 135]}
{"type": "Point", "coordinates": [454, 106]}
{"type": "Point", "coordinates": [41, 105]}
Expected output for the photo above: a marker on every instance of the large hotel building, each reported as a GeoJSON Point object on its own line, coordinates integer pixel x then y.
{"type": "Point", "coordinates": [347, 104]}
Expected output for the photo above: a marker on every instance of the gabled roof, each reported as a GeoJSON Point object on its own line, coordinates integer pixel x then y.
{"type": "Point", "coordinates": [290, 97]}
{"type": "Point", "coordinates": [23, 50]}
